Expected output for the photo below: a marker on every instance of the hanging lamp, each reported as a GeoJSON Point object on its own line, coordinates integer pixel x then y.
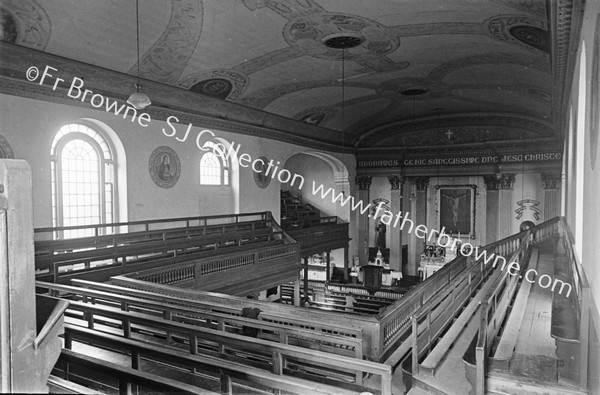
{"type": "Point", "coordinates": [138, 99]}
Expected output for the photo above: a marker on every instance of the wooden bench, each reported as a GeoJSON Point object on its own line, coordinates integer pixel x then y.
{"type": "Point", "coordinates": [85, 254]}
{"type": "Point", "coordinates": [508, 341]}
{"type": "Point", "coordinates": [228, 373]}
{"type": "Point", "coordinates": [123, 376]}
{"type": "Point", "coordinates": [337, 344]}
{"type": "Point", "coordinates": [279, 358]}
{"type": "Point", "coordinates": [218, 304]}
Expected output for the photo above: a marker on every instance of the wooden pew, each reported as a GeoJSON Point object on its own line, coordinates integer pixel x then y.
{"type": "Point", "coordinates": [508, 341]}
{"type": "Point", "coordinates": [123, 376]}
{"type": "Point", "coordinates": [80, 255]}
{"type": "Point", "coordinates": [279, 358]}
{"type": "Point", "coordinates": [337, 344]}
{"type": "Point", "coordinates": [227, 372]}
{"type": "Point", "coordinates": [360, 326]}
{"type": "Point", "coordinates": [215, 306]}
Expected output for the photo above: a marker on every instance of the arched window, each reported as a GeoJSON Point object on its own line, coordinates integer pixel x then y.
{"type": "Point", "coordinates": [83, 179]}
{"type": "Point", "coordinates": [214, 169]}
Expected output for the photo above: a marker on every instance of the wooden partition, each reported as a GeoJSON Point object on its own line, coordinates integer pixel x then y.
{"type": "Point", "coordinates": [29, 326]}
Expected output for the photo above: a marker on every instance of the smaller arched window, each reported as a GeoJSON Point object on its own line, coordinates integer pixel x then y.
{"type": "Point", "coordinates": [214, 169]}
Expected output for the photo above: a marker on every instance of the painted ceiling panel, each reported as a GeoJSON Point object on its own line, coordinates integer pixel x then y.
{"type": "Point", "coordinates": [401, 60]}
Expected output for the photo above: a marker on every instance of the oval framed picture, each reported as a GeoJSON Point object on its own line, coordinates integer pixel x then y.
{"type": "Point", "coordinates": [164, 167]}
{"type": "Point", "coordinates": [261, 178]}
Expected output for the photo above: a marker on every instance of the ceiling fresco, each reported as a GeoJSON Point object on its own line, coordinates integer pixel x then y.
{"type": "Point", "coordinates": [379, 73]}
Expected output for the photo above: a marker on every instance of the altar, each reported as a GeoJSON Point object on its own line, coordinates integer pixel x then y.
{"type": "Point", "coordinates": [435, 257]}
{"type": "Point", "coordinates": [379, 260]}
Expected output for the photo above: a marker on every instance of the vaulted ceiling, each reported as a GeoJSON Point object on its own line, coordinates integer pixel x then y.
{"type": "Point", "coordinates": [384, 73]}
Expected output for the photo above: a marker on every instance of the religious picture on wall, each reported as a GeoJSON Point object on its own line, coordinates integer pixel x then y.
{"type": "Point", "coordinates": [456, 209]}
{"type": "Point", "coordinates": [261, 178]}
{"type": "Point", "coordinates": [380, 230]}
{"type": "Point", "coordinates": [164, 167]}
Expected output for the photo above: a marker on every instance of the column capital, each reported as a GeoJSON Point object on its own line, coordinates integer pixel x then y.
{"type": "Point", "coordinates": [491, 182]}
{"type": "Point", "coordinates": [363, 182]}
{"type": "Point", "coordinates": [551, 180]}
{"type": "Point", "coordinates": [396, 182]}
{"type": "Point", "coordinates": [422, 183]}
{"type": "Point", "coordinates": [494, 182]}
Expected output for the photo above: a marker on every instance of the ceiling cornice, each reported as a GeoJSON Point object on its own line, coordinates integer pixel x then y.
{"type": "Point", "coordinates": [167, 100]}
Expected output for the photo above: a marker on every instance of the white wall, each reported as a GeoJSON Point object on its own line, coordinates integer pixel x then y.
{"type": "Point", "coordinates": [584, 188]}
{"type": "Point", "coordinates": [30, 126]}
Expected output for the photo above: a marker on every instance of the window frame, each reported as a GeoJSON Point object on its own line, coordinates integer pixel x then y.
{"type": "Point", "coordinates": [106, 163]}
{"type": "Point", "coordinates": [224, 167]}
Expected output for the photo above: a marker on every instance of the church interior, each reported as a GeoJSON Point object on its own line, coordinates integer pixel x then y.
{"type": "Point", "coordinates": [300, 197]}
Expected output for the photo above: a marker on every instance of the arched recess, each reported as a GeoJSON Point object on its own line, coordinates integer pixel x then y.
{"type": "Point", "coordinates": [121, 165]}
{"type": "Point", "coordinates": [319, 168]}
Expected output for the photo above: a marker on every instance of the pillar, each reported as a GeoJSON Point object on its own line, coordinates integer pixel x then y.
{"type": "Point", "coordinates": [418, 212]}
{"type": "Point", "coordinates": [505, 212]}
{"type": "Point", "coordinates": [328, 266]}
{"type": "Point", "coordinates": [346, 269]}
{"type": "Point", "coordinates": [305, 298]}
{"type": "Point", "coordinates": [492, 208]}
{"type": "Point", "coordinates": [396, 184]}
{"type": "Point", "coordinates": [499, 206]}
{"type": "Point", "coordinates": [552, 204]}
{"type": "Point", "coordinates": [297, 293]}
{"type": "Point", "coordinates": [364, 185]}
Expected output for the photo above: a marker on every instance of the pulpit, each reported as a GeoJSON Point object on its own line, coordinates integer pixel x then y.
{"type": "Point", "coordinates": [373, 274]}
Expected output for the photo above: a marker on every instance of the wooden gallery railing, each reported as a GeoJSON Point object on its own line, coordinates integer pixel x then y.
{"type": "Point", "coordinates": [320, 234]}
{"type": "Point", "coordinates": [414, 322]}
{"type": "Point", "coordinates": [233, 273]}
{"type": "Point", "coordinates": [118, 248]}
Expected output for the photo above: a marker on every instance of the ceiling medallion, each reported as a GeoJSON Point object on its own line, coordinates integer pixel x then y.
{"type": "Point", "coordinates": [215, 87]}
{"type": "Point", "coordinates": [520, 30]}
{"type": "Point", "coordinates": [223, 84]}
{"type": "Point", "coordinates": [342, 41]}
{"type": "Point", "coordinates": [323, 35]}
{"type": "Point", "coordinates": [414, 92]}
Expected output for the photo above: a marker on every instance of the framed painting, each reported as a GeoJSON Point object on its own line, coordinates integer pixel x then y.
{"type": "Point", "coordinates": [261, 178]}
{"type": "Point", "coordinates": [164, 167]}
{"type": "Point", "coordinates": [456, 209]}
